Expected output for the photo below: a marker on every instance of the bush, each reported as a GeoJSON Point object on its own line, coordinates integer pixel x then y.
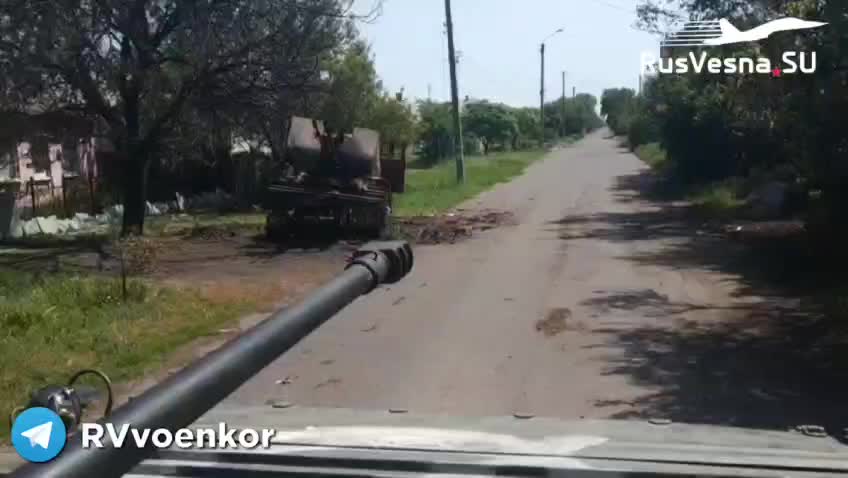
{"type": "Point", "coordinates": [643, 128]}
{"type": "Point", "coordinates": [718, 200]}
{"type": "Point", "coordinates": [471, 145]}
{"type": "Point", "coordinates": [652, 154]}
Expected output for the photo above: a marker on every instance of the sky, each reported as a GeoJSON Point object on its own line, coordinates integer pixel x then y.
{"type": "Point", "coordinates": [498, 44]}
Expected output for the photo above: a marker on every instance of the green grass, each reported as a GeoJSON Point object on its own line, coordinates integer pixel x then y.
{"type": "Point", "coordinates": [429, 191]}
{"type": "Point", "coordinates": [717, 200]}
{"type": "Point", "coordinates": [177, 225]}
{"type": "Point", "coordinates": [652, 154]}
{"type": "Point", "coordinates": [53, 326]}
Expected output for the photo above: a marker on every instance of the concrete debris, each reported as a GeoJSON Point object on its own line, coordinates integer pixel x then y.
{"type": "Point", "coordinates": [84, 223]}
{"type": "Point", "coordinates": [30, 228]}
{"type": "Point", "coordinates": [48, 225]}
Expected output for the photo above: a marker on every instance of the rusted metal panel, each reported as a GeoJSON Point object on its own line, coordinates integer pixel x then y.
{"type": "Point", "coordinates": [394, 171]}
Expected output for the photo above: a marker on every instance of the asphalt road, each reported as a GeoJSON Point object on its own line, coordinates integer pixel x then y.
{"type": "Point", "coordinates": [635, 317]}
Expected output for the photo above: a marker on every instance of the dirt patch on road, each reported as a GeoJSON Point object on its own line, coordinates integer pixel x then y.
{"type": "Point", "coordinates": [555, 322]}
{"type": "Point", "coordinates": [451, 227]}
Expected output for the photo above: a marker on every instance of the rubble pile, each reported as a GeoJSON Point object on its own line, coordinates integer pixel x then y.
{"type": "Point", "coordinates": [83, 223]}
{"type": "Point", "coordinates": [452, 227]}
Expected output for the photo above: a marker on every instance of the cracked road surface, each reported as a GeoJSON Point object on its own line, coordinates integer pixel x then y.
{"type": "Point", "coordinates": [597, 304]}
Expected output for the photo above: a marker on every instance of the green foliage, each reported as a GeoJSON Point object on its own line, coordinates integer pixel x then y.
{"type": "Point", "coordinates": [172, 77]}
{"type": "Point", "coordinates": [353, 91]}
{"type": "Point", "coordinates": [502, 126]}
{"type": "Point", "coordinates": [471, 144]}
{"type": "Point", "coordinates": [394, 119]}
{"type": "Point", "coordinates": [491, 123]}
{"type": "Point", "coordinates": [435, 129]}
{"type": "Point", "coordinates": [652, 154]}
{"type": "Point", "coordinates": [527, 120]}
{"type": "Point", "coordinates": [615, 103]}
{"type": "Point", "coordinates": [713, 127]}
{"type": "Point", "coordinates": [574, 116]}
{"type": "Point", "coordinates": [717, 200]}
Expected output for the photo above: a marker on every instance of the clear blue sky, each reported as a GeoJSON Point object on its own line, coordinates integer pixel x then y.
{"type": "Point", "coordinates": [499, 43]}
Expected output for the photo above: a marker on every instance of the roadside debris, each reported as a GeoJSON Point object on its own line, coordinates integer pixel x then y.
{"type": "Point", "coordinates": [554, 322]}
{"type": "Point", "coordinates": [82, 223]}
{"type": "Point", "coordinates": [453, 226]}
{"type": "Point", "coordinates": [764, 230]}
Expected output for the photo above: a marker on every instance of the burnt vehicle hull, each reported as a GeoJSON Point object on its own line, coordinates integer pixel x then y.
{"type": "Point", "coordinates": [297, 209]}
{"type": "Point", "coordinates": [335, 185]}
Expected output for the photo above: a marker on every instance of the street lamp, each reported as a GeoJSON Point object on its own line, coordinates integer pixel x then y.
{"type": "Point", "coordinates": [542, 89]}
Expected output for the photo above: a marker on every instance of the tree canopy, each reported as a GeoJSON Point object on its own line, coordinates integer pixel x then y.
{"type": "Point", "coordinates": [491, 123]}
{"type": "Point", "coordinates": [139, 67]}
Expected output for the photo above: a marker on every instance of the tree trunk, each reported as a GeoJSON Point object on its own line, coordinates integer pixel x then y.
{"type": "Point", "coordinates": [485, 148]}
{"type": "Point", "coordinates": [135, 194]}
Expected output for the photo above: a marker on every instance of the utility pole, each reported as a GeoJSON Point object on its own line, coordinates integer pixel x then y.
{"type": "Point", "coordinates": [542, 100]}
{"type": "Point", "coordinates": [574, 92]}
{"type": "Point", "coordinates": [457, 123]}
{"type": "Point", "coordinates": [564, 129]}
{"type": "Point", "coordinates": [542, 90]}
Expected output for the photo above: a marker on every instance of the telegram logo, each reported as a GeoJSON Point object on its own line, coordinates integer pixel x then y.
{"type": "Point", "coordinates": [38, 435]}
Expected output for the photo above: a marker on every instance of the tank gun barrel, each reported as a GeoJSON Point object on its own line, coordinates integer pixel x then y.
{"type": "Point", "coordinates": [184, 397]}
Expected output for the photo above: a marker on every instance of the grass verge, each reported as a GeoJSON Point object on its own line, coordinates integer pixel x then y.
{"type": "Point", "coordinates": [178, 225]}
{"type": "Point", "coordinates": [429, 191]}
{"type": "Point", "coordinates": [52, 326]}
{"type": "Point", "coordinates": [718, 200]}
{"type": "Point", "coordinates": [652, 154]}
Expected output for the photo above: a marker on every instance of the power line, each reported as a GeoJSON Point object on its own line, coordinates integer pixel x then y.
{"type": "Point", "coordinates": [614, 6]}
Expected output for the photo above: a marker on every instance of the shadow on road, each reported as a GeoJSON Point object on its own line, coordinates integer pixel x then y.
{"type": "Point", "coordinates": [771, 359]}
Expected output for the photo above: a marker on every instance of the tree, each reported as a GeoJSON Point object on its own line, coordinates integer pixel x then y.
{"type": "Point", "coordinates": [353, 89]}
{"type": "Point", "coordinates": [791, 128]}
{"type": "Point", "coordinates": [138, 66]}
{"type": "Point", "coordinates": [614, 105]}
{"type": "Point", "coordinates": [490, 122]}
{"type": "Point", "coordinates": [435, 130]}
{"type": "Point", "coordinates": [395, 121]}
{"type": "Point", "coordinates": [527, 120]}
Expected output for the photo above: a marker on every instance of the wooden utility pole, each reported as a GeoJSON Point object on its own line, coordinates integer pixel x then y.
{"type": "Point", "coordinates": [542, 100]}
{"type": "Point", "coordinates": [457, 122]}
{"type": "Point", "coordinates": [542, 90]}
{"type": "Point", "coordinates": [564, 129]}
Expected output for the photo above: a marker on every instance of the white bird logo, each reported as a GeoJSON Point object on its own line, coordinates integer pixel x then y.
{"type": "Point", "coordinates": [730, 34]}
{"type": "Point", "coordinates": [722, 32]}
